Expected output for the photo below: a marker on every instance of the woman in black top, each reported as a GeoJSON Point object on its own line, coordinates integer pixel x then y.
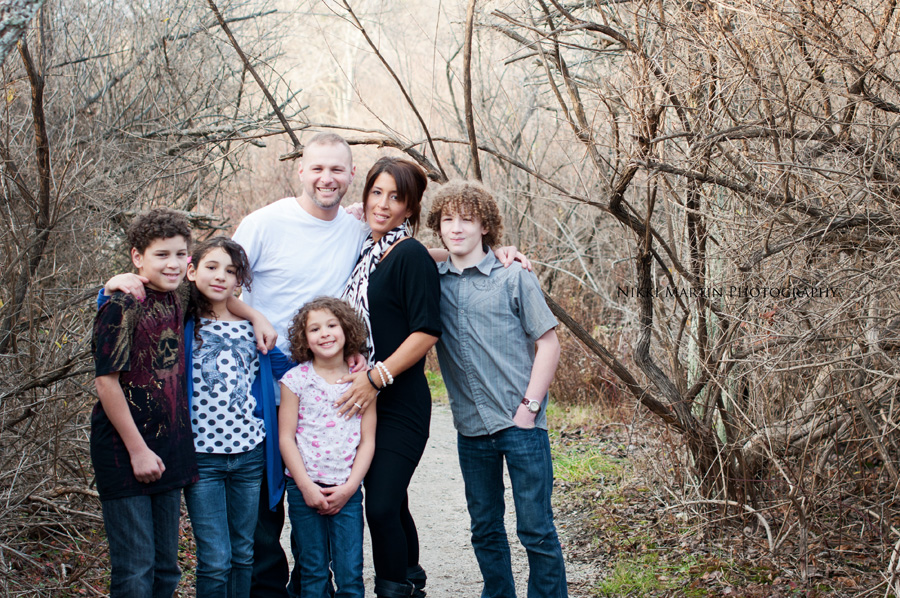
{"type": "Point", "coordinates": [395, 288]}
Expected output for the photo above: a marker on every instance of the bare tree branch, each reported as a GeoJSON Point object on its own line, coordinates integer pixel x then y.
{"type": "Point", "coordinates": [14, 18]}
{"type": "Point", "coordinates": [145, 54]}
{"type": "Point", "coordinates": [358, 24]}
{"type": "Point", "coordinates": [41, 210]}
{"type": "Point", "coordinates": [467, 89]}
{"type": "Point", "coordinates": [262, 86]}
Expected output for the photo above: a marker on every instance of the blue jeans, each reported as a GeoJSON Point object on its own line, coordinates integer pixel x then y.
{"type": "Point", "coordinates": [323, 539]}
{"type": "Point", "coordinates": [142, 532]}
{"type": "Point", "coordinates": [527, 454]}
{"type": "Point", "coordinates": [223, 505]}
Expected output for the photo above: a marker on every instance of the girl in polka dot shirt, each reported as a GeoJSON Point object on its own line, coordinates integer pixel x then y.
{"type": "Point", "coordinates": [326, 456]}
{"type": "Point", "coordinates": [229, 430]}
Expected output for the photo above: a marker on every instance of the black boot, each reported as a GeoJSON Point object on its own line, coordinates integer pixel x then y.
{"type": "Point", "coordinates": [392, 589]}
{"type": "Point", "coordinates": [416, 576]}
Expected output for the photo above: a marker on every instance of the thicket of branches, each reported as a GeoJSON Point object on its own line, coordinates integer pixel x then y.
{"type": "Point", "coordinates": [108, 108]}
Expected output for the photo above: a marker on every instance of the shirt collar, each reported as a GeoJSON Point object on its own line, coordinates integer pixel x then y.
{"type": "Point", "coordinates": [487, 263]}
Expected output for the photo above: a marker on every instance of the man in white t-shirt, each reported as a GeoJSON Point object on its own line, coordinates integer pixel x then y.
{"type": "Point", "coordinates": [303, 247]}
{"type": "Point", "coordinates": [299, 248]}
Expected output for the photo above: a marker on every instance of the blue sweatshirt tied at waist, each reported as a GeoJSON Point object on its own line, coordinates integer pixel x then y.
{"type": "Point", "coordinates": [271, 368]}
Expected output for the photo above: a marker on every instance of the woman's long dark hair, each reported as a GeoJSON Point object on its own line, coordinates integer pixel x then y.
{"type": "Point", "coordinates": [199, 306]}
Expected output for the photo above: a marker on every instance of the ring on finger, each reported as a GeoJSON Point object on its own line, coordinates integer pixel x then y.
{"type": "Point", "coordinates": [358, 405]}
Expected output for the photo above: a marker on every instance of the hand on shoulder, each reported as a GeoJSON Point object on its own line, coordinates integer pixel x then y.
{"type": "Point", "coordinates": [128, 283]}
{"type": "Point", "coordinates": [509, 254]}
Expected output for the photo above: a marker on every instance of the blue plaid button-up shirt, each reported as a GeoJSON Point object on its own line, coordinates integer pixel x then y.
{"type": "Point", "coordinates": [490, 317]}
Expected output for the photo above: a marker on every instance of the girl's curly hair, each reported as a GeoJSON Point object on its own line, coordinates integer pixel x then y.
{"type": "Point", "coordinates": [354, 329]}
{"type": "Point", "coordinates": [199, 306]}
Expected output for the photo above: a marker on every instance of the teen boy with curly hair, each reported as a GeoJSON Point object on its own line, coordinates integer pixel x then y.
{"type": "Point", "coordinates": [498, 353]}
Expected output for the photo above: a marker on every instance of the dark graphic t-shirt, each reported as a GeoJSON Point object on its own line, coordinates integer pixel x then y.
{"type": "Point", "coordinates": [144, 342]}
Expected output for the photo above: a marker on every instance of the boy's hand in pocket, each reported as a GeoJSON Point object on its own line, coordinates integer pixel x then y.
{"type": "Point", "coordinates": [524, 418]}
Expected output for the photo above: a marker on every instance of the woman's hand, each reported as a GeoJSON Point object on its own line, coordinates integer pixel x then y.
{"type": "Point", "coordinates": [358, 397]}
{"type": "Point", "coordinates": [337, 497]}
{"type": "Point", "coordinates": [131, 284]}
{"type": "Point", "coordinates": [509, 254]}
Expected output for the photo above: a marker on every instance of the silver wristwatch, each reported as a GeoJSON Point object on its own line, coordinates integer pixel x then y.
{"type": "Point", "coordinates": [533, 406]}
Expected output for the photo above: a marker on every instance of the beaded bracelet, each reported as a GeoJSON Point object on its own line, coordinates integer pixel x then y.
{"type": "Point", "coordinates": [383, 368]}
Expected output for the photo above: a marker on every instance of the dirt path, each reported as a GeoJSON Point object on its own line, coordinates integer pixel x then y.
{"type": "Point", "coordinates": [438, 504]}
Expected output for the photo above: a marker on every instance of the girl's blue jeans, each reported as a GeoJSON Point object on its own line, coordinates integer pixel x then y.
{"type": "Point", "coordinates": [223, 508]}
{"type": "Point", "coordinates": [323, 539]}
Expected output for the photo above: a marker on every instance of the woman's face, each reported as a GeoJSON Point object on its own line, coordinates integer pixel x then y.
{"type": "Point", "coordinates": [385, 210]}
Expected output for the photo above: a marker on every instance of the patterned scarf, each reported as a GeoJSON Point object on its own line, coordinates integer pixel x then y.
{"type": "Point", "coordinates": [356, 293]}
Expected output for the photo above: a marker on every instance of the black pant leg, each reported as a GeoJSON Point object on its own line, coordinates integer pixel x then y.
{"type": "Point", "coordinates": [270, 566]}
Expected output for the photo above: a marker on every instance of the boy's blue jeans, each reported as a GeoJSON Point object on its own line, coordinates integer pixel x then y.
{"type": "Point", "coordinates": [323, 539]}
{"type": "Point", "coordinates": [223, 506]}
{"type": "Point", "coordinates": [142, 532]}
{"type": "Point", "coordinates": [527, 454]}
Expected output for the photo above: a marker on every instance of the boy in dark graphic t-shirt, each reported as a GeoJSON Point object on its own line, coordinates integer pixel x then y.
{"type": "Point", "coordinates": [141, 439]}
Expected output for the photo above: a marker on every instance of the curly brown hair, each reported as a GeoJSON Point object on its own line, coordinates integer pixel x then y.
{"type": "Point", "coordinates": [158, 223]}
{"type": "Point", "coordinates": [468, 198]}
{"type": "Point", "coordinates": [354, 329]}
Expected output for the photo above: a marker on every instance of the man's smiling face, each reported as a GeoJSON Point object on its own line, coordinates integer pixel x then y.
{"type": "Point", "coordinates": [326, 171]}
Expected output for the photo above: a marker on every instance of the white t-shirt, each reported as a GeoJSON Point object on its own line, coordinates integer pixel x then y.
{"type": "Point", "coordinates": [223, 368]}
{"type": "Point", "coordinates": [296, 257]}
{"type": "Point", "coordinates": [326, 441]}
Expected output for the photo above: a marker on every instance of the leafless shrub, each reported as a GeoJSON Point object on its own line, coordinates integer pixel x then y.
{"type": "Point", "coordinates": [108, 109]}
